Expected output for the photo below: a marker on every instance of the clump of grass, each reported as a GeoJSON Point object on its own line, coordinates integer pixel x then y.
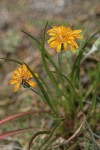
{"type": "Point", "coordinates": [74, 106]}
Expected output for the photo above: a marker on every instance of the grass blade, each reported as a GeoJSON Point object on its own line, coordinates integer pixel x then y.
{"type": "Point", "coordinates": [43, 37]}
{"type": "Point", "coordinates": [41, 88]}
{"type": "Point", "coordinates": [46, 86]}
{"type": "Point", "coordinates": [53, 80]}
{"type": "Point", "coordinates": [13, 60]}
{"type": "Point", "coordinates": [50, 75]}
{"type": "Point", "coordinates": [20, 115]}
{"type": "Point", "coordinates": [32, 37]}
{"type": "Point", "coordinates": [51, 134]}
{"type": "Point", "coordinates": [2, 136]}
{"type": "Point", "coordinates": [76, 67]}
{"type": "Point", "coordinates": [35, 135]}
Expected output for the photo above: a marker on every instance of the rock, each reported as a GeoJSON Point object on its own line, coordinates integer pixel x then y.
{"type": "Point", "coordinates": [47, 6]}
{"type": "Point", "coordinates": [5, 18]}
{"type": "Point", "coordinates": [97, 11]}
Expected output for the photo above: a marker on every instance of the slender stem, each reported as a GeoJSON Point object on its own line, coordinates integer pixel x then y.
{"type": "Point", "coordinates": [35, 92]}
{"type": "Point", "coordinates": [62, 81]}
{"type": "Point", "coordinates": [59, 61]}
{"type": "Point", "coordinates": [43, 97]}
{"type": "Point", "coordinates": [90, 132]}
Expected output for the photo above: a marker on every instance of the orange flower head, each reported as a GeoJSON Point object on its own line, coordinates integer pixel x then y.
{"type": "Point", "coordinates": [62, 37]}
{"type": "Point", "coordinates": [22, 76]}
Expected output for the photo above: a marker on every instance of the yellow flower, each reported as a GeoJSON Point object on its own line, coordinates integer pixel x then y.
{"type": "Point", "coordinates": [22, 76]}
{"type": "Point", "coordinates": [62, 37]}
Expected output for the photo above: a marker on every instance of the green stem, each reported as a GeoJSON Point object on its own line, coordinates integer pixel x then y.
{"type": "Point", "coordinates": [59, 61]}
{"type": "Point", "coordinates": [62, 82]}
{"type": "Point", "coordinates": [36, 92]}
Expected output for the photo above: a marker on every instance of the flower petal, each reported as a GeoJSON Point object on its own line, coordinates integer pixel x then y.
{"type": "Point", "coordinates": [20, 70]}
{"type": "Point", "coordinates": [13, 81]}
{"type": "Point", "coordinates": [54, 44]}
{"type": "Point", "coordinates": [51, 39]}
{"type": "Point", "coordinates": [24, 67]}
{"type": "Point", "coordinates": [16, 73]}
{"type": "Point", "coordinates": [31, 83]}
{"type": "Point", "coordinates": [58, 49]}
{"type": "Point", "coordinates": [77, 31]}
{"type": "Point", "coordinates": [72, 48]}
{"type": "Point", "coordinates": [16, 87]}
{"type": "Point", "coordinates": [79, 37]}
{"type": "Point", "coordinates": [76, 45]}
{"type": "Point", "coordinates": [65, 46]}
{"type": "Point", "coordinates": [36, 75]}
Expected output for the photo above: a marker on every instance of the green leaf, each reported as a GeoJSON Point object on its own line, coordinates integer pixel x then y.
{"type": "Point", "coordinates": [66, 79]}
{"type": "Point", "coordinates": [76, 67]}
{"type": "Point", "coordinates": [43, 37]}
{"type": "Point", "coordinates": [97, 78]}
{"type": "Point", "coordinates": [57, 70]}
{"type": "Point", "coordinates": [46, 86]}
{"type": "Point", "coordinates": [10, 133]}
{"type": "Point", "coordinates": [51, 134]}
{"type": "Point", "coordinates": [13, 60]}
{"type": "Point", "coordinates": [20, 115]}
{"type": "Point", "coordinates": [41, 88]}
{"type": "Point", "coordinates": [45, 56]}
{"type": "Point", "coordinates": [32, 37]}
{"type": "Point", "coordinates": [35, 135]}
{"type": "Point", "coordinates": [50, 75]}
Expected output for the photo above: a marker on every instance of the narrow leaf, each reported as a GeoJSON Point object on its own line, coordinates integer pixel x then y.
{"type": "Point", "coordinates": [13, 60]}
{"type": "Point", "coordinates": [2, 136]}
{"type": "Point", "coordinates": [76, 66]}
{"type": "Point", "coordinates": [51, 134]}
{"type": "Point", "coordinates": [43, 37]}
{"type": "Point", "coordinates": [32, 37]}
{"type": "Point", "coordinates": [41, 88]}
{"type": "Point", "coordinates": [35, 135]}
{"type": "Point", "coordinates": [20, 115]}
